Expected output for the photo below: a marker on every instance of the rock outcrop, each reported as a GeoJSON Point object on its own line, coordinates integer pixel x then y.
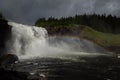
{"type": "Point", "coordinates": [7, 59]}
{"type": "Point", "coordinates": [5, 33]}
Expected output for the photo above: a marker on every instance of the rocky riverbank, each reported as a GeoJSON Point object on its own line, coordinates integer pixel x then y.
{"type": "Point", "coordinates": [12, 75]}
{"type": "Point", "coordinates": [7, 72]}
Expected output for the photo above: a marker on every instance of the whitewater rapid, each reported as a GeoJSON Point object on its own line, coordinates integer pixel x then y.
{"type": "Point", "coordinates": [31, 42]}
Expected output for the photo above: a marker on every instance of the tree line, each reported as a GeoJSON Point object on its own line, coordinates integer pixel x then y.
{"type": "Point", "coordinates": [103, 23]}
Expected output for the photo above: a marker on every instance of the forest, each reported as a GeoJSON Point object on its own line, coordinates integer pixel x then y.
{"type": "Point", "coordinates": [103, 23]}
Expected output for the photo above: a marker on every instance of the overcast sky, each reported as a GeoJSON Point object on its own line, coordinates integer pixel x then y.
{"type": "Point", "coordinates": [28, 11]}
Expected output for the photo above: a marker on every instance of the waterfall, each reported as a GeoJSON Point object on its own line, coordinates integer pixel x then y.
{"type": "Point", "coordinates": [31, 41]}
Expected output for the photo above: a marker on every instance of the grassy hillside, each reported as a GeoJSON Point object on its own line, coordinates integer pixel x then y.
{"type": "Point", "coordinates": [103, 39]}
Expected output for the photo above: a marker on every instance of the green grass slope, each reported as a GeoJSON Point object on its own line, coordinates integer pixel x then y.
{"type": "Point", "coordinates": [103, 39]}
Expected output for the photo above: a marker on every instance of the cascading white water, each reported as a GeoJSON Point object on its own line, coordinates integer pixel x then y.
{"type": "Point", "coordinates": [31, 41]}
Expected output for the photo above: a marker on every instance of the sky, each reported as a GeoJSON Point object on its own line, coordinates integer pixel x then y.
{"type": "Point", "coordinates": [28, 11]}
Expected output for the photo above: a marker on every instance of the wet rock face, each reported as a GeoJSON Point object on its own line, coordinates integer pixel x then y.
{"type": "Point", "coordinates": [5, 33]}
{"type": "Point", "coordinates": [8, 59]}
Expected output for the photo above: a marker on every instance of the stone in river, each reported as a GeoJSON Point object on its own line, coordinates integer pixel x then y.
{"type": "Point", "coordinates": [8, 59]}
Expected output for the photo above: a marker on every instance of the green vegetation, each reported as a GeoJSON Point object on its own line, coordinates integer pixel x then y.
{"type": "Point", "coordinates": [102, 23]}
{"type": "Point", "coordinates": [103, 39]}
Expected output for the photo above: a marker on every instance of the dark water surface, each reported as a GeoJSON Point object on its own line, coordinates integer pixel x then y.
{"type": "Point", "coordinates": [84, 68]}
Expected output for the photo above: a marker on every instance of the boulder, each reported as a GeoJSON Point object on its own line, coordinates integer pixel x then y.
{"type": "Point", "coordinates": [8, 59]}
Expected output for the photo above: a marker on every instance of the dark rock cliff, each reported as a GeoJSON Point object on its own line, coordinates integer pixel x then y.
{"type": "Point", "coordinates": [5, 33]}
